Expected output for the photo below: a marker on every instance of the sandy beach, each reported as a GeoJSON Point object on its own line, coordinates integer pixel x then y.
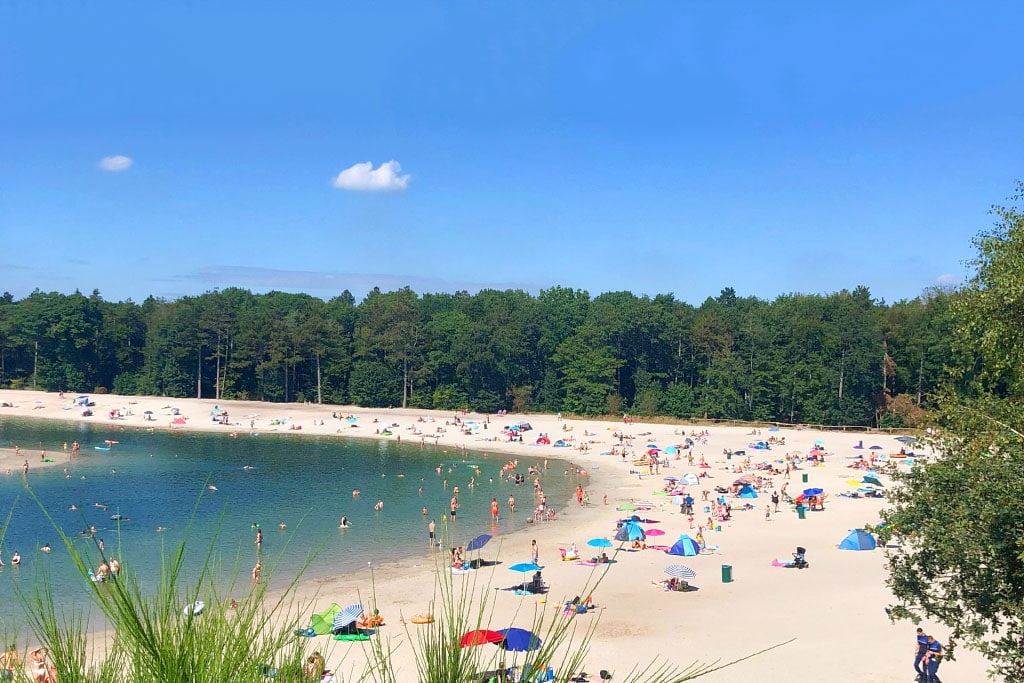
{"type": "Point", "coordinates": [833, 612]}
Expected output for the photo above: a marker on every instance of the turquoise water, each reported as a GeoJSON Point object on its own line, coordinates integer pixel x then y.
{"type": "Point", "coordinates": [162, 479]}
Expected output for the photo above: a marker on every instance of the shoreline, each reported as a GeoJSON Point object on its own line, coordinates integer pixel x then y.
{"type": "Point", "coordinates": [840, 597]}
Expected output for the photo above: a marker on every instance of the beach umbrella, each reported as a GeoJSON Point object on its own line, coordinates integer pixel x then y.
{"type": "Point", "coordinates": [671, 450]}
{"type": "Point", "coordinates": [671, 478]}
{"type": "Point", "coordinates": [690, 479]}
{"type": "Point", "coordinates": [654, 532]}
{"type": "Point", "coordinates": [819, 442]}
{"type": "Point", "coordinates": [481, 636]}
{"type": "Point", "coordinates": [346, 616]}
{"type": "Point", "coordinates": [876, 448]}
{"type": "Point", "coordinates": [600, 543]}
{"type": "Point", "coordinates": [680, 571]}
{"type": "Point", "coordinates": [906, 439]}
{"type": "Point", "coordinates": [651, 445]}
{"type": "Point", "coordinates": [525, 567]}
{"type": "Point", "coordinates": [653, 451]}
{"type": "Point", "coordinates": [873, 480]}
{"type": "Point", "coordinates": [854, 482]}
{"type": "Point", "coordinates": [813, 492]}
{"type": "Point", "coordinates": [518, 640]}
{"type": "Point", "coordinates": [147, 412]}
{"type": "Point", "coordinates": [626, 506]}
{"type": "Point", "coordinates": [478, 542]}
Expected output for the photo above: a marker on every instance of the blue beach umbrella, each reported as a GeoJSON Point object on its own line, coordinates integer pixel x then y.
{"type": "Point", "coordinates": [347, 616]}
{"type": "Point", "coordinates": [600, 543]}
{"type": "Point", "coordinates": [518, 640]}
{"type": "Point", "coordinates": [813, 492]}
{"type": "Point", "coordinates": [478, 542]}
{"type": "Point", "coordinates": [524, 567]}
{"type": "Point", "coordinates": [671, 450]}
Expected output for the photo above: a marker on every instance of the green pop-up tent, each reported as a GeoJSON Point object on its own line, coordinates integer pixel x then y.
{"type": "Point", "coordinates": [322, 623]}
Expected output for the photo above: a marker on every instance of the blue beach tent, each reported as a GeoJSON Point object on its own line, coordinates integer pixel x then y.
{"type": "Point", "coordinates": [748, 492]}
{"type": "Point", "coordinates": [685, 546]}
{"type": "Point", "coordinates": [858, 539]}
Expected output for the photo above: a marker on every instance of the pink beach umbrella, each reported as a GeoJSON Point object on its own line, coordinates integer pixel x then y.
{"type": "Point", "coordinates": [654, 532]}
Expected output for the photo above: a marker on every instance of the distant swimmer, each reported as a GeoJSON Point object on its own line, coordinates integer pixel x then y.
{"type": "Point", "coordinates": [355, 493]}
{"type": "Point", "coordinates": [282, 525]}
{"type": "Point", "coordinates": [344, 522]}
{"type": "Point", "coordinates": [212, 487]}
{"type": "Point", "coordinates": [379, 505]}
{"type": "Point", "coordinates": [73, 507]}
{"type": "Point", "coordinates": [159, 529]}
{"type": "Point", "coordinates": [46, 548]}
{"type": "Point", "coordinates": [248, 467]}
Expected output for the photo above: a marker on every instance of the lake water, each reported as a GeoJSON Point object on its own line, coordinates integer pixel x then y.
{"type": "Point", "coordinates": [162, 479]}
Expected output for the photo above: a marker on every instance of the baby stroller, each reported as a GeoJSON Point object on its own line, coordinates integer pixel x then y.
{"type": "Point", "coordinates": [799, 561]}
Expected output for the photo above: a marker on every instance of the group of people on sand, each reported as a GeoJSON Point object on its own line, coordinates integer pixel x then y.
{"type": "Point", "coordinates": [39, 666]}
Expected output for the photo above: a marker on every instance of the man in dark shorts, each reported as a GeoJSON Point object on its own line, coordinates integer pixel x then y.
{"type": "Point", "coordinates": [430, 533]}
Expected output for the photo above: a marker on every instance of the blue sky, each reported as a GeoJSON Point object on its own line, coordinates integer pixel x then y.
{"type": "Point", "coordinates": [173, 148]}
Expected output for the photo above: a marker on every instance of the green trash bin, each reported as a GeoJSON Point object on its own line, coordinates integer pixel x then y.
{"type": "Point", "coordinates": [726, 573]}
{"type": "Point", "coordinates": [801, 512]}
{"type": "Point", "coordinates": [728, 456]}
{"type": "Point", "coordinates": [803, 477]}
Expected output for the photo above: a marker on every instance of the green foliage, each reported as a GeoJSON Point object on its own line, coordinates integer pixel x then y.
{"type": "Point", "coordinates": [800, 358]}
{"type": "Point", "coordinates": [959, 517]}
{"type": "Point", "coordinates": [959, 520]}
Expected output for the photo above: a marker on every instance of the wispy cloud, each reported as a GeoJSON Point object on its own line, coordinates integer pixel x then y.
{"type": "Point", "coordinates": [365, 178]}
{"type": "Point", "coordinates": [948, 280]}
{"type": "Point", "coordinates": [116, 163]}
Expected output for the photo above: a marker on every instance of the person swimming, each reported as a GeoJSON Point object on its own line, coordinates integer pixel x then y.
{"type": "Point", "coordinates": [344, 522]}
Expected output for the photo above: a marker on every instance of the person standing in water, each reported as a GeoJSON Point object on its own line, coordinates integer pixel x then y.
{"type": "Point", "coordinates": [430, 534]}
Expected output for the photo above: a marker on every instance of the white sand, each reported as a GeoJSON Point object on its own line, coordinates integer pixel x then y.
{"type": "Point", "coordinates": [833, 611]}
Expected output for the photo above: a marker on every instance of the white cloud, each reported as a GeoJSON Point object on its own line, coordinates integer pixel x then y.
{"type": "Point", "coordinates": [365, 178]}
{"type": "Point", "coordinates": [115, 163]}
{"type": "Point", "coordinates": [948, 280]}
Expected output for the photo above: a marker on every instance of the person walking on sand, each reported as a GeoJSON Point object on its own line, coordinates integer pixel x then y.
{"type": "Point", "coordinates": [775, 500]}
{"type": "Point", "coordinates": [920, 650]}
{"type": "Point", "coordinates": [534, 552]}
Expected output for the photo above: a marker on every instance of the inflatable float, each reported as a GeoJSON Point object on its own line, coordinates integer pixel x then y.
{"type": "Point", "coordinates": [195, 609]}
{"type": "Point", "coordinates": [421, 619]}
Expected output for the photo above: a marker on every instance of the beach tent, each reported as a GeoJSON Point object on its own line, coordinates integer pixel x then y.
{"type": "Point", "coordinates": [322, 623]}
{"type": "Point", "coordinates": [858, 539]}
{"type": "Point", "coordinates": [748, 492]}
{"type": "Point", "coordinates": [630, 531]}
{"type": "Point", "coordinates": [690, 479]}
{"type": "Point", "coordinates": [685, 546]}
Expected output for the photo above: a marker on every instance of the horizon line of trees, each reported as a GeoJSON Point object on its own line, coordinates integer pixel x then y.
{"type": "Point", "coordinates": [839, 359]}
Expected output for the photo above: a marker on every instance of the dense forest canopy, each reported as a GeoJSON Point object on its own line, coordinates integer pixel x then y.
{"type": "Point", "coordinates": [843, 358]}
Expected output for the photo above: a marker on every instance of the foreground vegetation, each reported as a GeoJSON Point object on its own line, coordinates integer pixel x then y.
{"type": "Point", "coordinates": [959, 518]}
{"type": "Point", "coordinates": [153, 637]}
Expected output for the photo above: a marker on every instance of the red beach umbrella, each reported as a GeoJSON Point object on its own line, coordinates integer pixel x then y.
{"type": "Point", "coordinates": [480, 637]}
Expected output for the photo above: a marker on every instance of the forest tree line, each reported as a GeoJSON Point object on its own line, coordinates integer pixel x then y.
{"type": "Point", "coordinates": [842, 358]}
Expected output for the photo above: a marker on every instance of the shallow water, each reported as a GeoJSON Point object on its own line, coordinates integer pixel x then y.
{"type": "Point", "coordinates": [162, 479]}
